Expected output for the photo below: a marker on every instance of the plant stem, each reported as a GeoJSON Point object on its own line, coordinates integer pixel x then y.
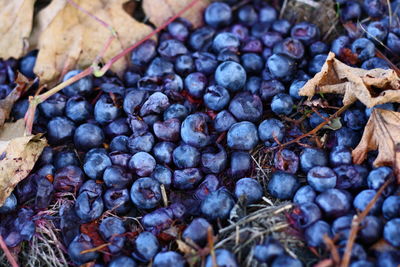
{"type": "Point", "coordinates": [9, 256]}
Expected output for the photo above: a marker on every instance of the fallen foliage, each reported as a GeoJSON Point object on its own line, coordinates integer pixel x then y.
{"type": "Point", "coordinates": [16, 25]}
{"type": "Point", "coordinates": [371, 87]}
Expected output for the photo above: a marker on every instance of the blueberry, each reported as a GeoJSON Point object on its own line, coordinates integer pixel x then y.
{"type": "Point", "coordinates": [117, 200]}
{"type": "Point", "coordinates": [370, 230]}
{"type": "Point", "coordinates": [391, 207]}
{"type": "Point", "coordinates": [374, 8]}
{"type": "Point", "coordinates": [316, 63]}
{"type": "Point", "coordinates": [268, 251]}
{"type": "Point", "coordinates": [318, 47]}
{"type": "Point", "coordinates": [218, 14]}
{"type": "Point", "coordinates": [162, 152]}
{"type": "Point", "coordinates": [178, 30]}
{"type": "Point", "coordinates": [159, 67]}
{"type": "Point", "coordinates": [60, 130]}
{"type": "Point", "coordinates": [170, 49]}
{"type": "Point", "coordinates": [88, 206]}
{"type": "Point", "coordinates": [197, 231]}
{"type": "Point", "coordinates": [340, 155]}
{"type": "Point", "coordinates": [145, 193]}
{"type": "Point", "coordinates": [249, 188]}
{"type": "Point", "coordinates": [282, 26]}
{"type": "Point", "coordinates": [247, 15]}
{"type": "Point", "coordinates": [350, 10]}
{"type": "Point", "coordinates": [163, 175]}
{"type": "Point", "coordinates": [225, 40]}
{"type": "Point", "coordinates": [393, 42]}
{"type": "Point", "coordinates": [305, 32]}
{"type": "Point", "coordinates": [168, 130]}
{"type": "Point", "coordinates": [80, 243]}
{"type": "Point", "coordinates": [143, 142]}
{"type": "Point", "coordinates": [214, 160]}
{"type": "Point", "coordinates": [364, 48]}
{"type": "Point", "coordinates": [142, 163]}
{"type": "Point", "coordinates": [46, 171]}
{"type": "Point", "coordinates": [314, 234]}
{"type": "Point", "coordinates": [184, 64]}
{"type": "Point", "coordinates": [143, 54]}
{"type": "Point", "coordinates": [391, 232]}
{"type": "Point", "coordinates": [217, 205]}
{"type": "Point", "coordinates": [131, 78]}
{"type": "Point", "coordinates": [68, 178]}
{"type": "Point", "coordinates": [347, 137]}
{"type": "Point", "coordinates": [223, 121]}
{"type": "Point", "coordinates": [230, 75]}
{"type": "Point", "coordinates": [177, 111]}
{"type": "Point", "coordinates": [95, 164]}
{"type": "Point", "coordinates": [65, 158]}
{"type": "Point", "coordinates": [306, 214]}
{"type": "Point", "coordinates": [268, 14]}
{"type": "Point", "coordinates": [339, 44]}
{"type": "Point", "coordinates": [281, 66]}
{"type": "Point", "coordinates": [268, 89]}
{"type": "Point", "coordinates": [321, 178]}
{"type": "Point", "coordinates": [252, 63]}
{"type": "Point", "coordinates": [271, 130]}
{"type": "Point", "coordinates": [111, 229]}
{"type": "Point", "coordinates": [9, 205]}
{"type": "Point", "coordinates": [334, 202]}
{"type": "Point", "coordinates": [194, 130]}
{"type": "Point", "coordinates": [341, 227]}
{"type": "Point", "coordinates": [312, 157]}
{"type": "Point", "coordinates": [186, 178]}
{"type": "Point", "coordinates": [378, 177]}
{"type": "Point", "coordinates": [88, 136]}
{"type": "Point", "coordinates": [349, 177]}
{"type": "Point", "coordinates": [157, 220]}
{"type": "Point", "coordinates": [209, 185]}
{"type": "Point", "coordinates": [169, 258]}
{"type": "Point", "coordinates": [78, 109]}
{"type": "Point", "coordinates": [304, 194]}
{"type": "Point", "coordinates": [270, 39]}
{"type": "Point", "coordinates": [290, 47]}
{"type": "Point", "coordinates": [53, 106]}
{"type": "Point", "coordinates": [376, 31]}
{"type": "Point", "coordinates": [316, 119]}
{"type": "Point", "coordinates": [246, 107]}
{"type": "Point", "coordinates": [133, 100]}
{"type": "Point", "coordinates": [374, 63]}
{"type": "Point", "coordinates": [201, 38]}
{"type": "Point", "coordinates": [242, 136]}
{"type": "Point", "coordinates": [387, 106]}
{"type": "Point", "coordinates": [146, 246]}
{"type": "Point", "coordinates": [223, 258]}
{"type": "Point", "coordinates": [295, 88]}
{"type": "Point", "coordinates": [357, 252]}
{"type": "Point", "coordinates": [282, 104]}
{"type": "Point", "coordinates": [156, 103]}
{"type": "Point", "coordinates": [122, 261]}
{"type": "Point", "coordinates": [81, 87]}
{"type": "Point", "coordinates": [216, 97]}
{"type": "Point", "coordinates": [362, 263]}
{"type": "Point", "coordinates": [283, 185]}
{"type": "Point", "coordinates": [116, 177]}
{"type": "Point", "coordinates": [388, 259]}
{"type": "Point", "coordinates": [195, 84]}
{"type": "Point", "coordinates": [287, 261]}
{"type": "Point", "coordinates": [363, 198]}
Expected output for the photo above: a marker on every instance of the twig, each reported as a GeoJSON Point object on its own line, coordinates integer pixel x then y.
{"type": "Point", "coordinates": [9, 256]}
{"type": "Point", "coordinates": [210, 239]}
{"type": "Point", "coordinates": [313, 131]}
{"type": "Point", "coordinates": [333, 249]}
{"type": "Point", "coordinates": [355, 225]}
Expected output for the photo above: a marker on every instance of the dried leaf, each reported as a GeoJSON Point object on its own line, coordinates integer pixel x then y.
{"type": "Point", "coordinates": [334, 124]}
{"type": "Point", "coordinates": [18, 154]}
{"type": "Point", "coordinates": [185, 248]}
{"type": "Point", "coordinates": [16, 25]}
{"type": "Point", "coordinates": [159, 11]}
{"type": "Point", "coordinates": [6, 104]}
{"type": "Point", "coordinates": [371, 87]}
{"type": "Point", "coordinates": [67, 37]}
{"type": "Point", "coordinates": [382, 132]}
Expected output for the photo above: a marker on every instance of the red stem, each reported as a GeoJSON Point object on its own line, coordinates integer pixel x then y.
{"type": "Point", "coordinates": [9, 256]}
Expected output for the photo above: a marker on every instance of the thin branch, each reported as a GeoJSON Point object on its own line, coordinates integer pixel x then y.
{"type": "Point", "coordinates": [355, 225]}
{"type": "Point", "coordinates": [9, 256]}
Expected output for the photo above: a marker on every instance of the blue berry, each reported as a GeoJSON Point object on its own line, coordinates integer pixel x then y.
{"type": "Point", "coordinates": [218, 14]}
{"type": "Point", "coordinates": [287, 261]}
{"type": "Point", "coordinates": [391, 232]}
{"type": "Point", "coordinates": [282, 104]}
{"type": "Point", "coordinates": [230, 75]}
{"type": "Point", "coordinates": [216, 97]}
{"type": "Point", "coordinates": [223, 121]}
{"type": "Point", "coordinates": [250, 189]}
{"type": "Point", "coordinates": [197, 231]}
{"type": "Point", "coordinates": [242, 136]}
{"type": "Point", "coordinates": [334, 202]}
{"type": "Point", "coordinates": [194, 130]}
{"type": "Point", "coordinates": [223, 258]}
{"type": "Point", "coordinates": [363, 198]}
{"type": "Point", "coordinates": [246, 107]}
{"type": "Point", "coordinates": [281, 66]}
{"type": "Point", "coordinates": [304, 194]}
{"type": "Point", "coordinates": [217, 205]}
{"type": "Point", "coordinates": [314, 234]}
{"type": "Point", "coordinates": [145, 193]}
{"type": "Point", "coordinates": [80, 243]}
{"type": "Point", "coordinates": [271, 130]}
{"type": "Point", "coordinates": [312, 157]}
{"type": "Point", "coordinates": [169, 258]}
{"type": "Point", "coordinates": [391, 207]}
{"type": "Point", "coordinates": [80, 87]}
{"type": "Point", "coordinates": [60, 130]}
{"type": "Point", "coordinates": [364, 48]}
{"type": "Point", "coordinates": [321, 178]}
{"type": "Point", "coordinates": [283, 185]}
{"type": "Point", "coordinates": [146, 247]}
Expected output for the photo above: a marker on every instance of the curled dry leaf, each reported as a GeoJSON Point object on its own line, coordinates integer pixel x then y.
{"type": "Point", "coordinates": [371, 87]}
{"type": "Point", "coordinates": [18, 154]}
{"type": "Point", "coordinates": [158, 11]}
{"type": "Point", "coordinates": [69, 38]}
{"type": "Point", "coordinates": [16, 25]}
{"type": "Point", "coordinates": [7, 103]}
{"type": "Point", "coordinates": [382, 132]}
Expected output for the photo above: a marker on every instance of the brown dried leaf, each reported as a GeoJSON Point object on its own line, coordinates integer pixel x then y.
{"type": "Point", "coordinates": [382, 132]}
{"type": "Point", "coordinates": [16, 25]}
{"type": "Point", "coordinates": [18, 154]}
{"type": "Point", "coordinates": [159, 11]}
{"type": "Point", "coordinates": [371, 87]}
{"type": "Point", "coordinates": [67, 37]}
{"type": "Point", "coordinates": [7, 103]}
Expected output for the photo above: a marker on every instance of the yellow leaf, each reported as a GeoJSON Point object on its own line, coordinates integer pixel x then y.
{"type": "Point", "coordinates": [15, 27]}
{"type": "Point", "coordinates": [69, 38]}
{"type": "Point", "coordinates": [159, 11]}
{"type": "Point", "coordinates": [371, 87]}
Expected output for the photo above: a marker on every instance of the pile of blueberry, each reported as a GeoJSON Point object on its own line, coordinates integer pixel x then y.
{"type": "Point", "coordinates": [170, 143]}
